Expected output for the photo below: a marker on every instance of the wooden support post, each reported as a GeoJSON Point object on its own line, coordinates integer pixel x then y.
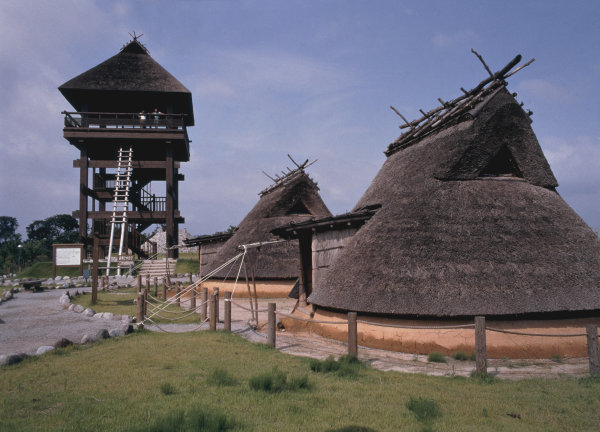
{"type": "Point", "coordinates": [216, 294]}
{"type": "Point", "coordinates": [272, 326]}
{"type": "Point", "coordinates": [164, 289]}
{"type": "Point", "coordinates": [178, 295]}
{"type": "Point", "coordinates": [148, 282]}
{"type": "Point", "coordinates": [193, 299]}
{"type": "Point", "coordinates": [227, 306]}
{"type": "Point", "coordinates": [213, 318]}
{"type": "Point", "coordinates": [480, 346]}
{"type": "Point", "coordinates": [145, 302]}
{"type": "Point", "coordinates": [95, 257]}
{"type": "Point", "coordinates": [139, 283]}
{"type": "Point", "coordinates": [140, 308]}
{"type": "Point", "coordinates": [593, 353]}
{"type": "Point", "coordinates": [155, 287]}
{"type": "Point", "coordinates": [191, 279]}
{"type": "Point", "coordinates": [203, 306]}
{"type": "Point", "coordinates": [352, 334]}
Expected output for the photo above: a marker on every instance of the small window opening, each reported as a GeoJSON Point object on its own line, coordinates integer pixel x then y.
{"type": "Point", "coordinates": [298, 208]}
{"type": "Point", "coordinates": [501, 165]}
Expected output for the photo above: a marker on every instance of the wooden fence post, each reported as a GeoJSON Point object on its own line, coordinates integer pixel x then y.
{"type": "Point", "coordinates": [191, 279]}
{"type": "Point", "coordinates": [352, 334]}
{"type": "Point", "coordinates": [227, 305]}
{"type": "Point", "coordinates": [216, 293]}
{"type": "Point", "coordinates": [148, 282]}
{"type": "Point", "coordinates": [272, 326]}
{"type": "Point", "coordinates": [480, 346]}
{"type": "Point", "coordinates": [140, 308]}
{"type": "Point", "coordinates": [193, 299]}
{"type": "Point", "coordinates": [139, 283]}
{"type": "Point", "coordinates": [178, 294]}
{"type": "Point", "coordinates": [164, 289]}
{"type": "Point", "coordinates": [155, 287]}
{"type": "Point", "coordinates": [213, 318]}
{"type": "Point", "coordinates": [145, 302]}
{"type": "Point", "coordinates": [203, 306]}
{"type": "Point", "coordinates": [592, 344]}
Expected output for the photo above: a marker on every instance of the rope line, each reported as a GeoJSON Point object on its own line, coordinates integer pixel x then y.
{"type": "Point", "coordinates": [417, 327]}
{"type": "Point", "coordinates": [534, 334]}
{"type": "Point", "coordinates": [245, 308]}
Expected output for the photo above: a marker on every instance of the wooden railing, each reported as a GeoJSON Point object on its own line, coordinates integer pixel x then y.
{"type": "Point", "coordinates": [124, 120]}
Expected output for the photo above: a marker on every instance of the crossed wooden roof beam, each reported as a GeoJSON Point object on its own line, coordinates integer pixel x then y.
{"type": "Point", "coordinates": [448, 111]}
{"type": "Point", "coordinates": [285, 176]}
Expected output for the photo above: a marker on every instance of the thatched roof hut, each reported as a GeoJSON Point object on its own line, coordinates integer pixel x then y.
{"type": "Point", "coordinates": [134, 81]}
{"type": "Point", "coordinates": [470, 224]}
{"type": "Point", "coordinates": [208, 247]}
{"type": "Point", "coordinates": [294, 197]}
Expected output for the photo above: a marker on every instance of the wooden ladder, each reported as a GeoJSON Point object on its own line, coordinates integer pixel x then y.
{"type": "Point", "coordinates": [120, 203]}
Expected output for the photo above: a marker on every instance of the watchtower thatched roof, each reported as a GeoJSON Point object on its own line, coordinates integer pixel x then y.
{"type": "Point", "coordinates": [128, 82]}
{"type": "Point", "coordinates": [293, 197]}
{"type": "Point", "coordinates": [470, 224]}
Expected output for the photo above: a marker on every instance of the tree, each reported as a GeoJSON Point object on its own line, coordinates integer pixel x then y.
{"type": "Point", "coordinates": [8, 228]}
{"type": "Point", "coordinates": [61, 228]}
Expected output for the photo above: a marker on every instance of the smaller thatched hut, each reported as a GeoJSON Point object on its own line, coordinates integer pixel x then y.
{"type": "Point", "coordinates": [208, 247]}
{"type": "Point", "coordinates": [273, 266]}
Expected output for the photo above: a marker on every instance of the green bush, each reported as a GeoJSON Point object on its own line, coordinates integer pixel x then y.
{"type": "Point", "coordinates": [436, 357]}
{"type": "Point", "coordinates": [345, 366]}
{"type": "Point", "coordinates": [425, 410]}
{"type": "Point", "coordinates": [193, 420]}
{"type": "Point", "coordinates": [167, 389]}
{"type": "Point", "coordinates": [276, 381]}
{"type": "Point", "coordinates": [220, 377]}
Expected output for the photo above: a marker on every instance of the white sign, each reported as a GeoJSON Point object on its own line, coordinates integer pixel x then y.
{"type": "Point", "coordinates": [68, 256]}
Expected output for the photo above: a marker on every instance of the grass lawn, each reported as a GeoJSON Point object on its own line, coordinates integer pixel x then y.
{"type": "Point", "coordinates": [157, 381]}
{"type": "Point", "coordinates": [43, 270]}
{"type": "Point", "coordinates": [121, 303]}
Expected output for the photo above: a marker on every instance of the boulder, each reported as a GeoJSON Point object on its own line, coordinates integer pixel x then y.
{"type": "Point", "coordinates": [108, 315]}
{"type": "Point", "coordinates": [89, 312]}
{"type": "Point", "coordinates": [116, 332]}
{"type": "Point", "coordinates": [78, 308]}
{"type": "Point", "coordinates": [58, 278]}
{"type": "Point", "coordinates": [88, 338]}
{"type": "Point", "coordinates": [44, 349]}
{"type": "Point", "coordinates": [103, 334]}
{"type": "Point", "coordinates": [63, 343]}
{"type": "Point", "coordinates": [10, 359]}
{"type": "Point", "coordinates": [65, 300]}
{"type": "Point", "coordinates": [99, 315]}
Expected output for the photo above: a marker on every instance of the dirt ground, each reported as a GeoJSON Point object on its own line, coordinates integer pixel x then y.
{"type": "Point", "coordinates": [31, 320]}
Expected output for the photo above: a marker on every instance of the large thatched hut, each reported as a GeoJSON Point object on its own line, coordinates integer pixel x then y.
{"type": "Point", "coordinates": [468, 223]}
{"type": "Point", "coordinates": [293, 197]}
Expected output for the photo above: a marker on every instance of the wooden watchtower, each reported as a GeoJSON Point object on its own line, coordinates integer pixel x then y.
{"type": "Point", "coordinates": [132, 158]}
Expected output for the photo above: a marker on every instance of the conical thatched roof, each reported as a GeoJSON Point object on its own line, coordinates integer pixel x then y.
{"type": "Point", "coordinates": [294, 198]}
{"type": "Point", "coordinates": [128, 82]}
{"type": "Point", "coordinates": [469, 224]}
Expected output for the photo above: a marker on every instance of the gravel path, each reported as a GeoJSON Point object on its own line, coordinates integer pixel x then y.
{"type": "Point", "coordinates": [31, 320]}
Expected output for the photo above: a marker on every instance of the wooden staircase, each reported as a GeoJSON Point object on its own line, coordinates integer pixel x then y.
{"type": "Point", "coordinates": [158, 268]}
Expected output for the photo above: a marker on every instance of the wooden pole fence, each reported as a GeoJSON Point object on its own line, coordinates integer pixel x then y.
{"type": "Point", "coordinates": [203, 306]}
{"type": "Point", "coordinates": [272, 325]}
{"type": "Point", "coordinates": [480, 346]}
{"type": "Point", "coordinates": [352, 334]}
{"type": "Point", "coordinates": [593, 353]}
{"type": "Point", "coordinates": [213, 318]}
{"type": "Point", "coordinates": [227, 306]}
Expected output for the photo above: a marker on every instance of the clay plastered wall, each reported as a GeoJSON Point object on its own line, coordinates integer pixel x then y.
{"type": "Point", "coordinates": [450, 341]}
{"type": "Point", "coordinates": [264, 289]}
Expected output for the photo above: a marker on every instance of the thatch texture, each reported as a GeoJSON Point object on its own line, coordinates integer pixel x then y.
{"type": "Point", "coordinates": [295, 200]}
{"type": "Point", "coordinates": [451, 241]}
{"type": "Point", "coordinates": [128, 82]}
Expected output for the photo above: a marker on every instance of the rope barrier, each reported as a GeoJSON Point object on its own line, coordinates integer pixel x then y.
{"type": "Point", "coordinates": [455, 327]}
{"type": "Point", "coordinates": [534, 334]}
{"type": "Point", "coordinates": [245, 308]}
{"type": "Point", "coordinates": [310, 320]}
{"type": "Point", "coordinates": [166, 331]}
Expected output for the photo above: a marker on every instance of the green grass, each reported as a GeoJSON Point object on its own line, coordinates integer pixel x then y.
{"type": "Point", "coordinates": [276, 381]}
{"type": "Point", "coordinates": [436, 357]}
{"type": "Point", "coordinates": [346, 366]}
{"type": "Point", "coordinates": [115, 385]}
{"type": "Point", "coordinates": [425, 410]}
{"type": "Point", "coordinates": [121, 303]}
{"type": "Point", "coordinates": [43, 270]}
{"type": "Point", "coordinates": [187, 263]}
{"type": "Point", "coordinates": [462, 356]}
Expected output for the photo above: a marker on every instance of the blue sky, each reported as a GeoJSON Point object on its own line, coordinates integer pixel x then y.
{"type": "Point", "coordinates": [314, 79]}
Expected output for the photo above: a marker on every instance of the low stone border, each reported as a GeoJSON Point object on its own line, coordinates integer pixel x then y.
{"type": "Point", "coordinates": [65, 302]}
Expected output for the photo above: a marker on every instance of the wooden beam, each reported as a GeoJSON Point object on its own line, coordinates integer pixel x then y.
{"type": "Point", "coordinates": [83, 199]}
{"type": "Point", "coordinates": [134, 164]}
